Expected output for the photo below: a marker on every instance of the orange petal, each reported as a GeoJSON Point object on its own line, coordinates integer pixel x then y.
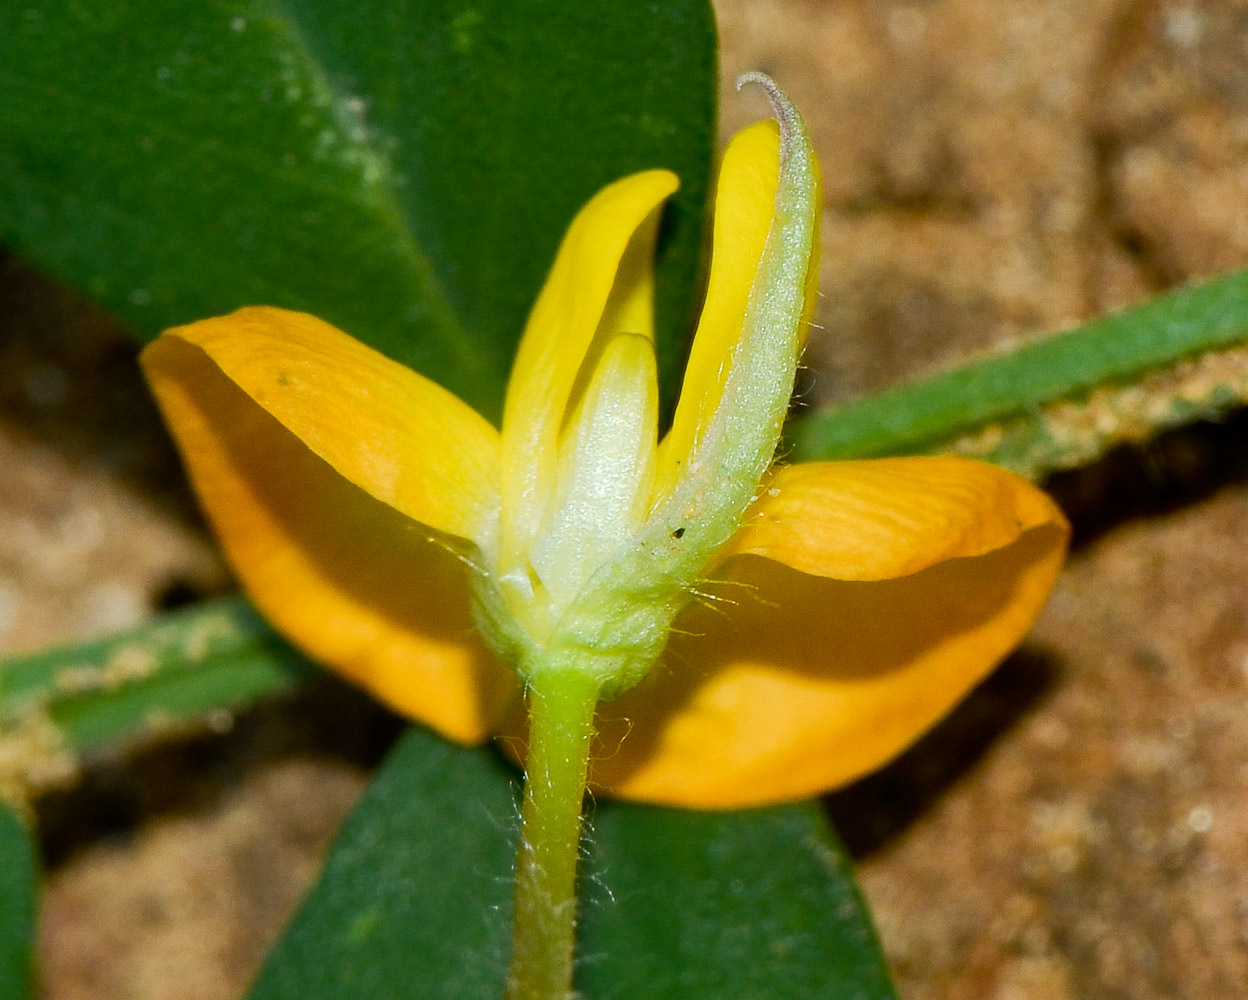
{"type": "Point", "coordinates": [787, 684]}
{"type": "Point", "coordinates": [393, 433]}
{"type": "Point", "coordinates": [888, 517]}
{"type": "Point", "coordinates": [359, 586]}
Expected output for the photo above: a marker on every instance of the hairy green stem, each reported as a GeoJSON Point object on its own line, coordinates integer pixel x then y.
{"type": "Point", "coordinates": [561, 725]}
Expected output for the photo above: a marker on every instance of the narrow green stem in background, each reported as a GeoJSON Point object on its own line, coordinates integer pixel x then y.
{"type": "Point", "coordinates": [1111, 349]}
{"type": "Point", "coordinates": [561, 724]}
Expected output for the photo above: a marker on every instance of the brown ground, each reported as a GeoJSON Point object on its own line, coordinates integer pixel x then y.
{"type": "Point", "coordinates": [994, 169]}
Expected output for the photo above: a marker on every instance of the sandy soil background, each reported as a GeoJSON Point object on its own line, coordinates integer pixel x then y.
{"type": "Point", "coordinates": [1079, 828]}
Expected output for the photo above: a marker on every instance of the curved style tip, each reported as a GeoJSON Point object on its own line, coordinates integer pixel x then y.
{"type": "Point", "coordinates": [762, 79]}
{"type": "Point", "coordinates": [787, 115]}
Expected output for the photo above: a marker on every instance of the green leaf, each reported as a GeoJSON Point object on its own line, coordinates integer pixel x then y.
{"type": "Point", "coordinates": [415, 898]}
{"type": "Point", "coordinates": [403, 170]}
{"type": "Point", "coordinates": [725, 906]}
{"type": "Point", "coordinates": [19, 869]}
{"type": "Point", "coordinates": [1117, 351]}
{"type": "Point", "coordinates": [177, 670]}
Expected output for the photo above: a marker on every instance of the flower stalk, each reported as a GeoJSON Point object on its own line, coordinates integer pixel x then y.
{"type": "Point", "coordinates": [561, 713]}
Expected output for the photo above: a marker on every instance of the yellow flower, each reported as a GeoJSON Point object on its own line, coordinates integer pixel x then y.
{"type": "Point", "coordinates": [811, 625]}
